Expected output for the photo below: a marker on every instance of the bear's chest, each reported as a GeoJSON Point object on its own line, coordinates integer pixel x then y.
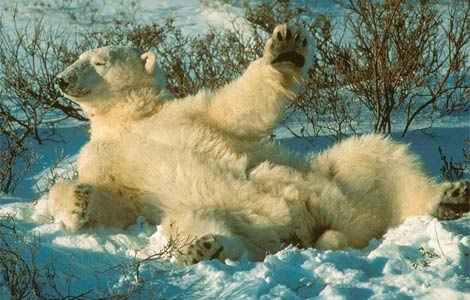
{"type": "Point", "coordinates": [101, 159]}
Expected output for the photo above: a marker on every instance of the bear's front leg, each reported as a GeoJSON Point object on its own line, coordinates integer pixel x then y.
{"type": "Point", "coordinates": [253, 104]}
{"type": "Point", "coordinates": [68, 204]}
{"type": "Point", "coordinates": [77, 205]}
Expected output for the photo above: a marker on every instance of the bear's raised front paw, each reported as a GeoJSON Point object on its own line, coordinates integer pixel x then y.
{"type": "Point", "coordinates": [204, 248]}
{"type": "Point", "coordinates": [287, 45]}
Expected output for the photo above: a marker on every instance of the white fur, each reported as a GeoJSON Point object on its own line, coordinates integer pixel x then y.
{"type": "Point", "coordinates": [203, 165]}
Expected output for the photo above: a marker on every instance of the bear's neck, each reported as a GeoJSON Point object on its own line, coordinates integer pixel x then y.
{"type": "Point", "coordinates": [128, 109]}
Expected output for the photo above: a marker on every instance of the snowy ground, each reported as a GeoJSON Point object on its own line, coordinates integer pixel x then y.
{"type": "Point", "coordinates": [422, 259]}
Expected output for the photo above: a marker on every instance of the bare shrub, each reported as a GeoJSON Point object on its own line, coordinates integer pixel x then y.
{"type": "Point", "coordinates": [16, 157]}
{"type": "Point", "coordinates": [63, 168]}
{"type": "Point", "coordinates": [24, 276]}
{"type": "Point", "coordinates": [19, 270]}
{"type": "Point", "coordinates": [387, 58]}
{"type": "Point", "coordinates": [86, 13]}
{"type": "Point", "coordinates": [30, 106]}
{"type": "Point", "coordinates": [135, 275]}
{"type": "Point", "coordinates": [405, 56]}
{"type": "Point", "coordinates": [453, 171]}
{"type": "Point", "coordinates": [30, 58]}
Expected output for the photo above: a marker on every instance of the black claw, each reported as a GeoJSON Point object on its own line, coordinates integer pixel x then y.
{"type": "Point", "coordinates": [288, 35]}
{"type": "Point", "coordinates": [279, 36]}
{"type": "Point", "coordinates": [82, 204]}
{"type": "Point", "coordinates": [304, 43]}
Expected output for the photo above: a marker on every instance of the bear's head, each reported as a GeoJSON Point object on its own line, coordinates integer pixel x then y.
{"type": "Point", "coordinates": [102, 76]}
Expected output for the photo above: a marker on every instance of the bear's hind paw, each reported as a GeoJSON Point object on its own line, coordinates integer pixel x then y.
{"type": "Point", "coordinates": [455, 201]}
{"type": "Point", "coordinates": [204, 248]}
{"type": "Point", "coordinates": [457, 192]}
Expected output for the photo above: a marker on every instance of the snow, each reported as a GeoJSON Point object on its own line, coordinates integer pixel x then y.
{"type": "Point", "coordinates": [422, 258]}
{"type": "Point", "coordinates": [193, 17]}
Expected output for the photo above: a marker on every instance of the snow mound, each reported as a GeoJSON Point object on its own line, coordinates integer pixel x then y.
{"type": "Point", "coordinates": [423, 258]}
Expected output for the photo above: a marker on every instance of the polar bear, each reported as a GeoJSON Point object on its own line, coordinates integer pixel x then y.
{"type": "Point", "coordinates": [204, 168]}
{"type": "Point", "coordinates": [137, 135]}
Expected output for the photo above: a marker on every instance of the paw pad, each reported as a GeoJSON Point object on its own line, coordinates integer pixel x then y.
{"type": "Point", "coordinates": [457, 192]}
{"type": "Point", "coordinates": [455, 201]}
{"type": "Point", "coordinates": [287, 45]}
{"type": "Point", "coordinates": [204, 248]}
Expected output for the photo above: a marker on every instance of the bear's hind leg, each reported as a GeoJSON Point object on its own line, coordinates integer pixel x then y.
{"type": "Point", "coordinates": [211, 246]}
{"type": "Point", "coordinates": [203, 234]}
{"type": "Point", "coordinates": [331, 240]}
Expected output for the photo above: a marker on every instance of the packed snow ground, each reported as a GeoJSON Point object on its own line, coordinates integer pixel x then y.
{"type": "Point", "coordinates": [421, 259]}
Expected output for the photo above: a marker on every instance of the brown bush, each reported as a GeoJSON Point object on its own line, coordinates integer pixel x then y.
{"type": "Point", "coordinates": [401, 57]}
{"type": "Point", "coordinates": [404, 57]}
{"type": "Point", "coordinates": [30, 106]}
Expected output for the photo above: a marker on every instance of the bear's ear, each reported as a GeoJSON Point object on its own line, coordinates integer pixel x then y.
{"type": "Point", "coordinates": [150, 61]}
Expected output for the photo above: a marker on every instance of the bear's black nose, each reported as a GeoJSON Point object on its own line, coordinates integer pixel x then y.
{"type": "Point", "coordinates": [61, 82]}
